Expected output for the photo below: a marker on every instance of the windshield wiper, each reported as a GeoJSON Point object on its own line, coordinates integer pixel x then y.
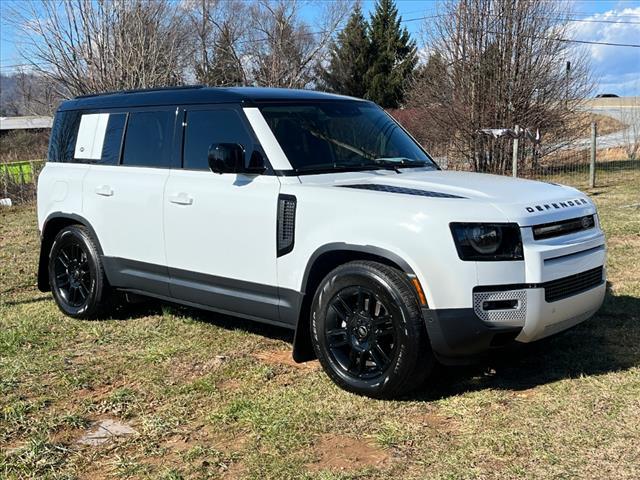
{"type": "Point", "coordinates": [400, 162]}
{"type": "Point", "coordinates": [332, 167]}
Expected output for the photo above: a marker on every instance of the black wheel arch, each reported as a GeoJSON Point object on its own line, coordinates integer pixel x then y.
{"type": "Point", "coordinates": [55, 222]}
{"type": "Point", "coordinates": [321, 262]}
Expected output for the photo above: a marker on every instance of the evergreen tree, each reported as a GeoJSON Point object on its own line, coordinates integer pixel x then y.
{"type": "Point", "coordinates": [224, 67]}
{"type": "Point", "coordinates": [349, 58]}
{"type": "Point", "coordinates": [394, 56]}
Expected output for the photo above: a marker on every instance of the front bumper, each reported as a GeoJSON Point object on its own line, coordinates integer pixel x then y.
{"type": "Point", "coordinates": [461, 333]}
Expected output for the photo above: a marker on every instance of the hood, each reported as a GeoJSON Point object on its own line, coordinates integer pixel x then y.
{"type": "Point", "coordinates": [527, 202]}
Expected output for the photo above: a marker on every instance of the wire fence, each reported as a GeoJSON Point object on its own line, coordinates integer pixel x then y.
{"type": "Point", "coordinates": [18, 181]}
{"type": "Point", "coordinates": [586, 163]}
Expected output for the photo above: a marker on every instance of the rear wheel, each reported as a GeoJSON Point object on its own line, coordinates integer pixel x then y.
{"type": "Point", "coordinates": [76, 274]}
{"type": "Point", "coordinates": [367, 330]}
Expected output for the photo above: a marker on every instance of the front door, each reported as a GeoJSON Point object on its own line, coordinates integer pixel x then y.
{"type": "Point", "coordinates": [220, 229]}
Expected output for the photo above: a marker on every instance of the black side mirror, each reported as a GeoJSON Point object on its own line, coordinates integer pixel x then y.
{"type": "Point", "coordinates": [257, 165]}
{"type": "Point", "coordinates": [226, 158]}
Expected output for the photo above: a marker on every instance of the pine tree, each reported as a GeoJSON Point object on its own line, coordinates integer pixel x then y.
{"type": "Point", "coordinates": [394, 56]}
{"type": "Point", "coordinates": [349, 58]}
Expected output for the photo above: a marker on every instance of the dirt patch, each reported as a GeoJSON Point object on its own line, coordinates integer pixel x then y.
{"type": "Point", "coordinates": [235, 471]}
{"type": "Point", "coordinates": [191, 369]}
{"type": "Point", "coordinates": [226, 442]}
{"type": "Point", "coordinates": [433, 421]}
{"type": "Point", "coordinates": [230, 385]}
{"type": "Point", "coordinates": [284, 357]}
{"type": "Point", "coordinates": [342, 453]}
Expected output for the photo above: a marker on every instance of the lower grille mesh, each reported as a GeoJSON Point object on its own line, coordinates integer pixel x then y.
{"type": "Point", "coordinates": [572, 285]}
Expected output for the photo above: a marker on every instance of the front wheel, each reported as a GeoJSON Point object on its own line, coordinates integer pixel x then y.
{"type": "Point", "coordinates": [76, 276]}
{"type": "Point", "coordinates": [367, 330]}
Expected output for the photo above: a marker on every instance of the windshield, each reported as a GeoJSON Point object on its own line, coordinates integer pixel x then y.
{"type": "Point", "coordinates": [342, 135]}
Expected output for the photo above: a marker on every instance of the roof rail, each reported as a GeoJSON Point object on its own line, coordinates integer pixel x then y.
{"type": "Point", "coordinates": [141, 90]}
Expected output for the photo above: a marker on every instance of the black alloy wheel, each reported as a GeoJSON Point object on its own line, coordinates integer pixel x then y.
{"type": "Point", "coordinates": [360, 332]}
{"type": "Point", "coordinates": [72, 276]}
{"type": "Point", "coordinates": [367, 330]}
{"type": "Point", "coordinates": [76, 274]}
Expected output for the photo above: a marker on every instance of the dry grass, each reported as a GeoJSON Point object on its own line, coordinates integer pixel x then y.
{"type": "Point", "coordinates": [212, 397]}
{"type": "Point", "coordinates": [606, 124]}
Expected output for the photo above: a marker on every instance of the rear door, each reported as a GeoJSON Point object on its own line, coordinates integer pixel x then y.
{"type": "Point", "coordinates": [220, 229]}
{"type": "Point", "coordinates": [123, 193]}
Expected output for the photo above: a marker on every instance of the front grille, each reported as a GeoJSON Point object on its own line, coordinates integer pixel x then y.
{"type": "Point", "coordinates": [564, 227]}
{"type": "Point", "coordinates": [572, 285]}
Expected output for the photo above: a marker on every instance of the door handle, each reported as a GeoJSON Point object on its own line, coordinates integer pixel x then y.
{"type": "Point", "coordinates": [181, 199]}
{"type": "Point", "coordinates": [104, 190]}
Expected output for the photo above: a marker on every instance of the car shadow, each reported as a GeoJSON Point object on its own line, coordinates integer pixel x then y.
{"type": "Point", "coordinates": [228, 322]}
{"type": "Point", "coordinates": [606, 343]}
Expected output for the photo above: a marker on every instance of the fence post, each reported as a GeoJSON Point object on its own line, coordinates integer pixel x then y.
{"type": "Point", "coordinates": [514, 161]}
{"type": "Point", "coordinates": [5, 176]}
{"type": "Point", "coordinates": [592, 163]}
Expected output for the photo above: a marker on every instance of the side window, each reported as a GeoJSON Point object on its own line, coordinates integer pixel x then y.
{"type": "Point", "coordinates": [113, 139]}
{"type": "Point", "coordinates": [100, 138]}
{"type": "Point", "coordinates": [62, 142]}
{"type": "Point", "coordinates": [147, 142]}
{"type": "Point", "coordinates": [205, 127]}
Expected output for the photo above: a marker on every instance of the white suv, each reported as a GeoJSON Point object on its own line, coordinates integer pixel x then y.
{"type": "Point", "coordinates": [315, 212]}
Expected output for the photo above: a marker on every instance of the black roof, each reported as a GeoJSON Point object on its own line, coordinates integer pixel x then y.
{"type": "Point", "coordinates": [195, 95]}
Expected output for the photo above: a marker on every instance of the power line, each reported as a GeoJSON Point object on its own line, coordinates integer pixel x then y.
{"type": "Point", "coordinates": [589, 20]}
{"type": "Point", "coordinates": [427, 17]}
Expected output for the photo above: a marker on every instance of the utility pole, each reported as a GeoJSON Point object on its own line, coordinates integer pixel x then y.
{"type": "Point", "coordinates": [516, 141]}
{"type": "Point", "coordinates": [592, 163]}
{"type": "Point", "coordinates": [566, 93]}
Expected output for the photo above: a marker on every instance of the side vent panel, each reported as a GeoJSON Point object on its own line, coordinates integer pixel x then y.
{"type": "Point", "coordinates": [286, 223]}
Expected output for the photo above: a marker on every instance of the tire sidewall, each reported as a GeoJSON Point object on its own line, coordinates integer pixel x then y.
{"type": "Point", "coordinates": [382, 287]}
{"type": "Point", "coordinates": [68, 236]}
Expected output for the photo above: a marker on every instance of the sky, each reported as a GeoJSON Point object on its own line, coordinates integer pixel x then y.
{"type": "Point", "coordinates": [617, 69]}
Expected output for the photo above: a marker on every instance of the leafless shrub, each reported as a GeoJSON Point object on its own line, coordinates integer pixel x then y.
{"type": "Point", "coordinates": [497, 64]}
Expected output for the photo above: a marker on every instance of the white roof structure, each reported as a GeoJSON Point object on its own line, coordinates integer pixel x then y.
{"type": "Point", "coordinates": [25, 123]}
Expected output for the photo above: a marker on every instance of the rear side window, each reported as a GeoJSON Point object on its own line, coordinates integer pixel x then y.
{"type": "Point", "coordinates": [100, 138]}
{"type": "Point", "coordinates": [64, 133]}
{"type": "Point", "coordinates": [205, 127]}
{"type": "Point", "coordinates": [113, 139]}
{"type": "Point", "coordinates": [147, 142]}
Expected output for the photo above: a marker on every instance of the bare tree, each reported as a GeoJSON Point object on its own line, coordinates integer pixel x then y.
{"type": "Point", "coordinates": [35, 94]}
{"type": "Point", "coordinates": [497, 64]}
{"type": "Point", "coordinates": [87, 46]}
{"type": "Point", "coordinates": [282, 49]}
{"type": "Point", "coordinates": [219, 30]}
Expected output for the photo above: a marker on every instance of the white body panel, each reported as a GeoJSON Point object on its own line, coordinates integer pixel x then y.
{"type": "Point", "coordinates": [124, 206]}
{"type": "Point", "coordinates": [222, 225]}
{"type": "Point", "coordinates": [60, 187]}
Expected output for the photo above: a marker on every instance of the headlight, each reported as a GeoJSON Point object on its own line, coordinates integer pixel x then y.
{"type": "Point", "coordinates": [487, 241]}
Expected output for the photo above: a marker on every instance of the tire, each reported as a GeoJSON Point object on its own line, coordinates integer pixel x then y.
{"type": "Point", "coordinates": [367, 330]}
{"type": "Point", "coordinates": [76, 274]}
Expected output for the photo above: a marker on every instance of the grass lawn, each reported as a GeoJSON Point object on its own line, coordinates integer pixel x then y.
{"type": "Point", "coordinates": [209, 396]}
